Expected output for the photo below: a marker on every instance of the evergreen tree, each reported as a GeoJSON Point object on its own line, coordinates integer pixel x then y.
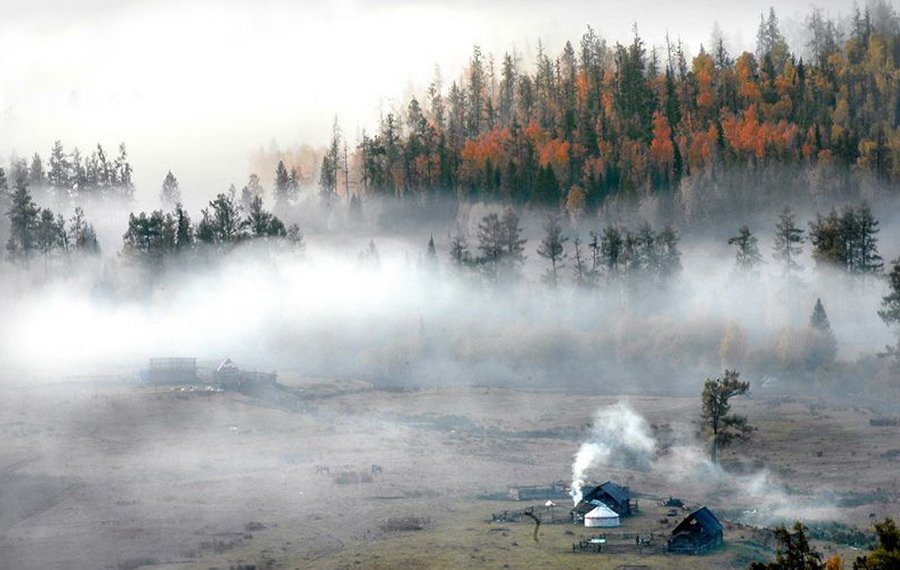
{"type": "Point", "coordinates": [552, 249]}
{"type": "Point", "coordinates": [122, 174]}
{"type": "Point", "coordinates": [491, 245]}
{"type": "Point", "coordinates": [82, 237]}
{"type": "Point", "coordinates": [59, 175]}
{"type": "Point", "coordinates": [146, 240]}
{"type": "Point", "coordinates": [431, 254]}
{"type": "Point", "coordinates": [794, 551]}
{"type": "Point", "coordinates": [788, 238]}
{"type": "Point", "coordinates": [890, 303]}
{"type": "Point", "coordinates": [184, 231]}
{"type": "Point", "coordinates": [819, 319]}
{"type": "Point", "coordinates": [36, 175]}
{"type": "Point", "coordinates": [612, 250]}
{"type": "Point", "coordinates": [668, 256]}
{"type": "Point", "coordinates": [282, 187]}
{"type": "Point", "coordinates": [262, 223]}
{"type": "Point", "coordinates": [886, 555]}
{"type": "Point", "coordinates": [747, 256]}
{"type": "Point", "coordinates": [251, 190]}
{"type": "Point", "coordinates": [50, 234]}
{"type": "Point", "coordinates": [221, 223]}
{"type": "Point", "coordinates": [23, 215]}
{"type": "Point", "coordinates": [513, 243]}
{"type": "Point", "coordinates": [170, 194]}
{"type": "Point", "coordinates": [848, 241]}
{"type": "Point", "coordinates": [717, 419]}
{"type": "Point", "coordinates": [824, 345]}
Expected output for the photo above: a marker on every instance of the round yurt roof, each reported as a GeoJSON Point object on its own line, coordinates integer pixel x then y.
{"type": "Point", "coordinates": [602, 512]}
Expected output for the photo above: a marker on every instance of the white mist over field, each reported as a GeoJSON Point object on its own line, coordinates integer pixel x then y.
{"type": "Point", "coordinates": [411, 320]}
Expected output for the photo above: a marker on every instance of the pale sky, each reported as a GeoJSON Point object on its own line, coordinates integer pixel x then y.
{"type": "Point", "coordinates": [196, 86]}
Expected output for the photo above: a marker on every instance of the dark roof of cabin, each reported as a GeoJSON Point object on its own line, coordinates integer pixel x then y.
{"type": "Point", "coordinates": [704, 518]}
{"type": "Point", "coordinates": [617, 492]}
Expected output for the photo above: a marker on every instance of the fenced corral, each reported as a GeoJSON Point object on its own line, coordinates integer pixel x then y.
{"type": "Point", "coordinates": [549, 514]}
{"type": "Point", "coordinates": [557, 491]}
{"type": "Point", "coordinates": [622, 543]}
{"type": "Point", "coordinates": [228, 376]}
{"type": "Point", "coordinates": [173, 370]}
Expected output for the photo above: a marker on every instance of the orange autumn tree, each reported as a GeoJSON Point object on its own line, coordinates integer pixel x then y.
{"type": "Point", "coordinates": [662, 151]}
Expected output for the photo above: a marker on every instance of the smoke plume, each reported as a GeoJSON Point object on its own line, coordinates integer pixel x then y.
{"type": "Point", "coordinates": [620, 437]}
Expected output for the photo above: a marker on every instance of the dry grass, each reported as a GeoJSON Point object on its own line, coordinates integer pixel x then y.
{"type": "Point", "coordinates": [107, 474]}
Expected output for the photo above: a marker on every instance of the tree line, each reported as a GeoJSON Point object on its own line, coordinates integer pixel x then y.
{"type": "Point", "coordinates": [599, 121]}
{"type": "Point", "coordinates": [69, 177]}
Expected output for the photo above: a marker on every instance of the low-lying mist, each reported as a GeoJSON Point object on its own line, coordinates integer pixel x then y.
{"type": "Point", "coordinates": [400, 318]}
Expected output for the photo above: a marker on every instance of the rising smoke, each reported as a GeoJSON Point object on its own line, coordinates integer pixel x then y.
{"type": "Point", "coordinates": [619, 437]}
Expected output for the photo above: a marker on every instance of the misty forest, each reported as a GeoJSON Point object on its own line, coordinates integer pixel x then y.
{"type": "Point", "coordinates": [606, 304]}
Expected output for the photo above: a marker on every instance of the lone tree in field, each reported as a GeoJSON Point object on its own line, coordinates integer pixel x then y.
{"type": "Point", "coordinates": [717, 420]}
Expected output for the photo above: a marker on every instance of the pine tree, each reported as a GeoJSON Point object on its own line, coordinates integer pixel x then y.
{"type": "Point", "coordinates": [122, 174]}
{"type": "Point", "coordinates": [552, 249]}
{"type": "Point", "coordinates": [819, 319]}
{"type": "Point", "coordinates": [513, 243]}
{"type": "Point", "coordinates": [747, 256]}
{"type": "Point", "coordinates": [251, 190]}
{"type": "Point", "coordinates": [717, 419]}
{"type": "Point", "coordinates": [788, 238]}
{"type": "Point", "coordinates": [23, 215]}
{"type": "Point", "coordinates": [431, 254]}
{"type": "Point", "coordinates": [170, 194]}
{"type": "Point", "coordinates": [59, 176]}
{"type": "Point", "coordinates": [221, 223]}
{"type": "Point", "coordinates": [261, 223]}
{"type": "Point", "coordinates": [491, 245]}
{"type": "Point", "coordinates": [824, 345]}
{"type": "Point", "coordinates": [184, 231]}
{"type": "Point", "coordinates": [282, 187]}
{"type": "Point", "coordinates": [890, 303]}
{"type": "Point", "coordinates": [36, 175]}
{"type": "Point", "coordinates": [82, 237]}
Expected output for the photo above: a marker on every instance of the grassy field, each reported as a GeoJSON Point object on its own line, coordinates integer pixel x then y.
{"type": "Point", "coordinates": [117, 475]}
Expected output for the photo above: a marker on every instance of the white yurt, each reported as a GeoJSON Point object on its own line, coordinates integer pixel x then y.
{"type": "Point", "coordinates": [601, 516]}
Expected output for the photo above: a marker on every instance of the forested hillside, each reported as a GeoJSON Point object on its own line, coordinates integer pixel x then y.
{"type": "Point", "coordinates": [596, 122]}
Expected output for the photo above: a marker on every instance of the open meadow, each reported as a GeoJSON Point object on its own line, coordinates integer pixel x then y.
{"type": "Point", "coordinates": [325, 474]}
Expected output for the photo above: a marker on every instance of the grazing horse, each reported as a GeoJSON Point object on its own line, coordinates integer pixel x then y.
{"type": "Point", "coordinates": [320, 469]}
